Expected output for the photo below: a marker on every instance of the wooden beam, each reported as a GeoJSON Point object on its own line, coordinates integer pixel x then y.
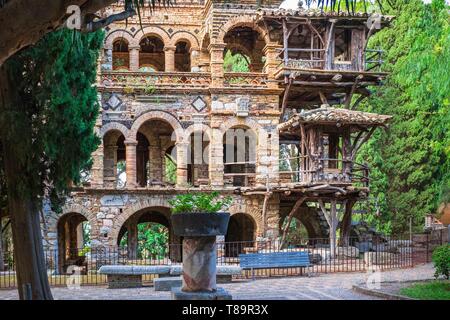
{"type": "Point", "coordinates": [285, 99]}
{"type": "Point", "coordinates": [296, 206]}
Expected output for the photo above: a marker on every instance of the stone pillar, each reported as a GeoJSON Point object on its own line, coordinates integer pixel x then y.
{"type": "Point", "coordinates": [169, 58]}
{"type": "Point", "coordinates": [134, 58]}
{"type": "Point", "coordinates": [107, 61]}
{"type": "Point", "coordinates": [132, 240]}
{"type": "Point", "coordinates": [109, 165]}
{"type": "Point", "coordinates": [97, 168]}
{"type": "Point", "coordinates": [272, 62]}
{"type": "Point", "coordinates": [130, 154]}
{"type": "Point", "coordinates": [217, 74]}
{"type": "Point", "coordinates": [80, 236]}
{"type": "Point", "coordinates": [216, 167]}
{"type": "Point", "coordinates": [272, 223]}
{"type": "Point", "coordinates": [195, 59]}
{"type": "Point", "coordinates": [182, 154]}
{"type": "Point", "coordinates": [155, 159]}
{"type": "Point", "coordinates": [199, 264]}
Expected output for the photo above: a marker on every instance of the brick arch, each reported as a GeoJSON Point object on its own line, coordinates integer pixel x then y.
{"type": "Point", "coordinates": [195, 128]}
{"type": "Point", "coordinates": [113, 126]}
{"type": "Point", "coordinates": [241, 21]}
{"type": "Point", "coordinates": [148, 203]}
{"type": "Point", "coordinates": [156, 115]}
{"type": "Point", "coordinates": [152, 31]}
{"type": "Point", "coordinates": [245, 122]}
{"type": "Point", "coordinates": [184, 36]}
{"type": "Point", "coordinates": [119, 34]}
{"type": "Point", "coordinates": [254, 213]}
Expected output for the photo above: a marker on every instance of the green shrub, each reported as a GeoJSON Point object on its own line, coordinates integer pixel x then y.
{"type": "Point", "coordinates": [199, 202]}
{"type": "Point", "coordinates": [441, 260]}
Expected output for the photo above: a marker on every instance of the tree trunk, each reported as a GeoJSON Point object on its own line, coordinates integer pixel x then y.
{"type": "Point", "coordinates": [2, 262]}
{"type": "Point", "coordinates": [346, 223]}
{"type": "Point", "coordinates": [25, 224]}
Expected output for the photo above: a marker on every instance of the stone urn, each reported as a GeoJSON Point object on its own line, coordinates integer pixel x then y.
{"type": "Point", "coordinates": [199, 231]}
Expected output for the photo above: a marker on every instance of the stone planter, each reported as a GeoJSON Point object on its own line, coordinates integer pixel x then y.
{"type": "Point", "coordinates": [199, 231]}
{"type": "Point", "coordinates": [200, 224]}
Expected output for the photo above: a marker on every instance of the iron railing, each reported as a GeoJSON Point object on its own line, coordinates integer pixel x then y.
{"type": "Point", "coordinates": [351, 255]}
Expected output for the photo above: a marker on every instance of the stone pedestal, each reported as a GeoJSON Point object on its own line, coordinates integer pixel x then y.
{"type": "Point", "coordinates": [199, 264]}
{"type": "Point", "coordinates": [199, 231]}
{"type": "Point", "coordinates": [219, 294]}
{"type": "Point", "coordinates": [199, 275]}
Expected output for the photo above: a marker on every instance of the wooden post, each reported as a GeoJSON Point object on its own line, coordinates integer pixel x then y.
{"type": "Point", "coordinates": [296, 206]}
{"type": "Point", "coordinates": [332, 220]}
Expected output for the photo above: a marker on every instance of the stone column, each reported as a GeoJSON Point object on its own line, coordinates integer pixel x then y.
{"type": "Point", "coordinates": [130, 154]}
{"type": "Point", "coordinates": [199, 264]}
{"type": "Point", "coordinates": [107, 61]}
{"type": "Point", "coordinates": [132, 242]}
{"type": "Point", "coordinates": [134, 58]}
{"type": "Point", "coordinates": [272, 223]}
{"type": "Point", "coordinates": [272, 62]}
{"type": "Point", "coordinates": [217, 74]}
{"type": "Point", "coordinates": [169, 58]}
{"type": "Point", "coordinates": [155, 159]}
{"type": "Point", "coordinates": [80, 236]}
{"type": "Point", "coordinates": [195, 59]}
{"type": "Point", "coordinates": [110, 165]}
{"type": "Point", "coordinates": [216, 167]}
{"type": "Point", "coordinates": [182, 153]}
{"type": "Point", "coordinates": [97, 168]}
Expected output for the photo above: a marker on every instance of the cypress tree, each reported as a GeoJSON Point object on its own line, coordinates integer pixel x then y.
{"type": "Point", "coordinates": [48, 109]}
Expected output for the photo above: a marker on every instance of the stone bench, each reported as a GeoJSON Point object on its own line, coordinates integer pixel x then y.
{"type": "Point", "coordinates": [123, 276]}
{"type": "Point", "coordinates": [129, 276]}
{"type": "Point", "coordinates": [224, 272]}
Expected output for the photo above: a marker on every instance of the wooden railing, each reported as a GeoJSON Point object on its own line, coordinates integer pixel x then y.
{"type": "Point", "coordinates": [325, 170]}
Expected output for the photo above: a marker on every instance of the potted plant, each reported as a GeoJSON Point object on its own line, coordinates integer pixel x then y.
{"type": "Point", "coordinates": [200, 215]}
{"type": "Point", "coordinates": [199, 218]}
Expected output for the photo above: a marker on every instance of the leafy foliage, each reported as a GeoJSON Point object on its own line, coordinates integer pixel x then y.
{"type": "Point", "coordinates": [152, 240]}
{"type": "Point", "coordinates": [54, 111]}
{"type": "Point", "coordinates": [235, 62]}
{"type": "Point", "coordinates": [199, 202]}
{"type": "Point", "coordinates": [441, 261]}
{"type": "Point", "coordinates": [410, 162]}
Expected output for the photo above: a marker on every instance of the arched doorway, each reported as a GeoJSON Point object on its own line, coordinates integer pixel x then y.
{"type": "Point", "coordinates": [241, 234]}
{"type": "Point", "coordinates": [73, 231]}
{"type": "Point", "coordinates": [154, 158]}
{"type": "Point", "coordinates": [147, 235]}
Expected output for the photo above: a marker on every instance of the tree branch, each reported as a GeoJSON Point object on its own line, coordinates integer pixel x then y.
{"type": "Point", "coordinates": [98, 24]}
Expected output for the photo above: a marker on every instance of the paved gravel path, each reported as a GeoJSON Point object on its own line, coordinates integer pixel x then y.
{"type": "Point", "coordinates": [337, 286]}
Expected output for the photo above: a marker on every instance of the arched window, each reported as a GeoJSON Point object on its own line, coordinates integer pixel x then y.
{"type": "Point", "coordinates": [121, 56]}
{"type": "Point", "coordinates": [243, 50]}
{"type": "Point", "coordinates": [151, 55]}
{"type": "Point", "coordinates": [182, 57]}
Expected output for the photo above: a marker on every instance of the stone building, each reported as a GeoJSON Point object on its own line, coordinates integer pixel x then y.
{"type": "Point", "coordinates": [175, 121]}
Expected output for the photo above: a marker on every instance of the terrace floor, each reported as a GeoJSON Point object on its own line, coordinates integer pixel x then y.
{"type": "Point", "coordinates": [335, 286]}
